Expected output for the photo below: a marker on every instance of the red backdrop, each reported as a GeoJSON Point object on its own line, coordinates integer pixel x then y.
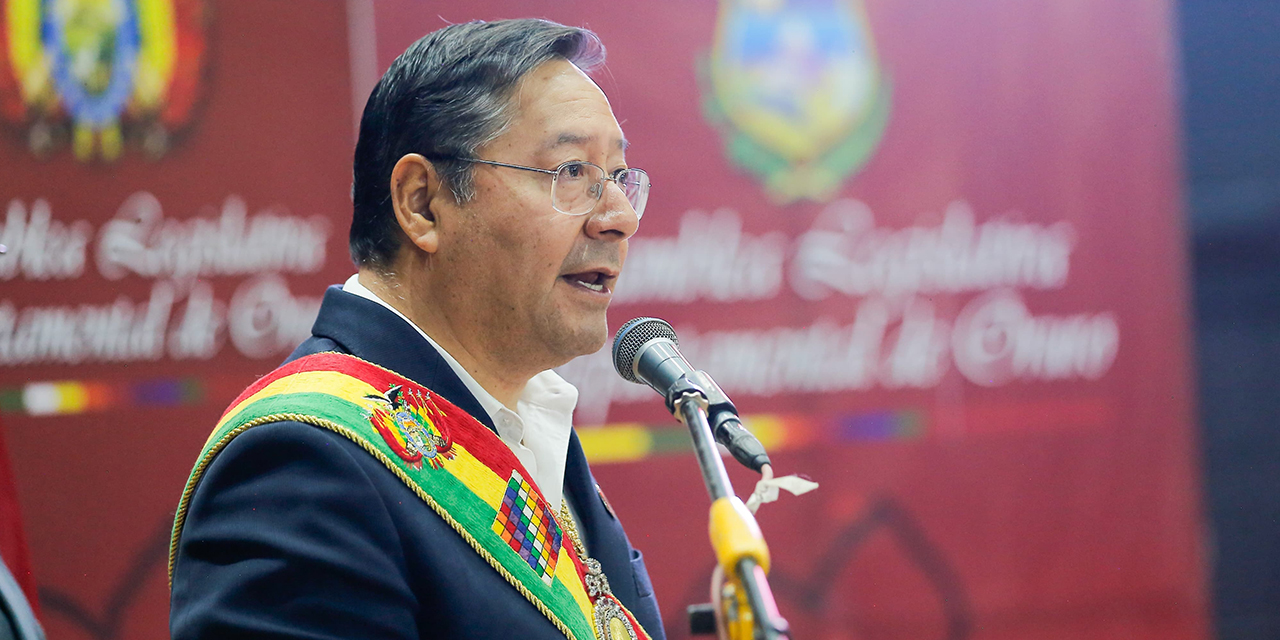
{"type": "Point", "coordinates": [974, 338]}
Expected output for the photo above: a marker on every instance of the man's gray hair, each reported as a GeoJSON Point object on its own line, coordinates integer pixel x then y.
{"type": "Point", "coordinates": [446, 96]}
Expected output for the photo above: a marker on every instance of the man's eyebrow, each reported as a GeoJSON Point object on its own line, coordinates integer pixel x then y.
{"type": "Point", "coordinates": [577, 139]}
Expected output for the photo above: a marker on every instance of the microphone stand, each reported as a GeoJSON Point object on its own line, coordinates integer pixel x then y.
{"type": "Point", "coordinates": [744, 605]}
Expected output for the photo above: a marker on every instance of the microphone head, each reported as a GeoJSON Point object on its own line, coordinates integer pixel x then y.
{"type": "Point", "coordinates": [633, 335]}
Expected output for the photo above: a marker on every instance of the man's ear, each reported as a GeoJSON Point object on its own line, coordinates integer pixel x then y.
{"type": "Point", "coordinates": [414, 187]}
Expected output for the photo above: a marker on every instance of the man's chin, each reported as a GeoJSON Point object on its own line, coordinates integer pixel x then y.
{"type": "Point", "coordinates": [582, 338]}
{"type": "Point", "coordinates": [591, 339]}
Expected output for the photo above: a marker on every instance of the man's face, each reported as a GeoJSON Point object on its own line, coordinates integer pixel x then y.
{"type": "Point", "coordinates": [537, 280]}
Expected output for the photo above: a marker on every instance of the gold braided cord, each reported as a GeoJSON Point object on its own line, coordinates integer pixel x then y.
{"type": "Point", "coordinates": [570, 527]}
{"type": "Point", "coordinates": [184, 504]}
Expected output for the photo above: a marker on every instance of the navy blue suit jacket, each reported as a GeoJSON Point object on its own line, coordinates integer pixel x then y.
{"type": "Point", "coordinates": [297, 532]}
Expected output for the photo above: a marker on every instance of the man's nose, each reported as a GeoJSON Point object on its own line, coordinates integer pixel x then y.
{"type": "Point", "coordinates": [613, 218]}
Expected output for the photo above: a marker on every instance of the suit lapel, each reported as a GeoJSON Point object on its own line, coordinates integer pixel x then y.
{"type": "Point", "coordinates": [606, 542]}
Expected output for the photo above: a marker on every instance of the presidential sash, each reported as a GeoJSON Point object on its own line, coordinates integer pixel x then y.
{"type": "Point", "coordinates": [459, 468]}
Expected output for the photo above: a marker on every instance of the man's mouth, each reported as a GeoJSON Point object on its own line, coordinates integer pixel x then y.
{"type": "Point", "coordinates": [597, 281]}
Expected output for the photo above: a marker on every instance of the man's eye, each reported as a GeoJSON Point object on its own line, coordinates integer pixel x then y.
{"type": "Point", "coordinates": [574, 170]}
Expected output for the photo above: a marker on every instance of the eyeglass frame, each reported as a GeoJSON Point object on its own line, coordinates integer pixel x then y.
{"type": "Point", "coordinates": [556, 171]}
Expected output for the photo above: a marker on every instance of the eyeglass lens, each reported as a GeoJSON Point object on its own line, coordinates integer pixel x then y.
{"type": "Point", "coordinates": [578, 186]}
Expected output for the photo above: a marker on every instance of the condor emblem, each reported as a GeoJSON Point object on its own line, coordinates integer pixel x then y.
{"type": "Point", "coordinates": [796, 88]}
{"type": "Point", "coordinates": [100, 74]}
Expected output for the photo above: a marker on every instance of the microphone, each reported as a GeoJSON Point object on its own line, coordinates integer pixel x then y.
{"type": "Point", "coordinates": [647, 351]}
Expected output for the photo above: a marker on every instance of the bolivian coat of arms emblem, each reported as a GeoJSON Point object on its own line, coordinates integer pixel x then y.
{"type": "Point", "coordinates": [412, 425]}
{"type": "Point", "coordinates": [797, 90]}
{"type": "Point", "coordinates": [100, 75]}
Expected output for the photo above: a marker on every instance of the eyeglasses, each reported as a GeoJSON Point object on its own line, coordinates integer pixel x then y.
{"type": "Point", "coordinates": [576, 187]}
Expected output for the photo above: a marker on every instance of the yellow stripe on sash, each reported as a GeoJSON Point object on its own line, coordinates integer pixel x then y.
{"type": "Point", "coordinates": [477, 477]}
{"type": "Point", "coordinates": [567, 572]}
{"type": "Point", "coordinates": [330, 382]}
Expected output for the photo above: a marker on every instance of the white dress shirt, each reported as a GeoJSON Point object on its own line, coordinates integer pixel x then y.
{"type": "Point", "coordinates": [537, 431]}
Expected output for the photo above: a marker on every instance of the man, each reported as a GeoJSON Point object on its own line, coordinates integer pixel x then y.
{"type": "Point", "coordinates": [371, 496]}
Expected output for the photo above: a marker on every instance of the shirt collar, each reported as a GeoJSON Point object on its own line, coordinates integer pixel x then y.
{"type": "Point", "coordinates": [546, 390]}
